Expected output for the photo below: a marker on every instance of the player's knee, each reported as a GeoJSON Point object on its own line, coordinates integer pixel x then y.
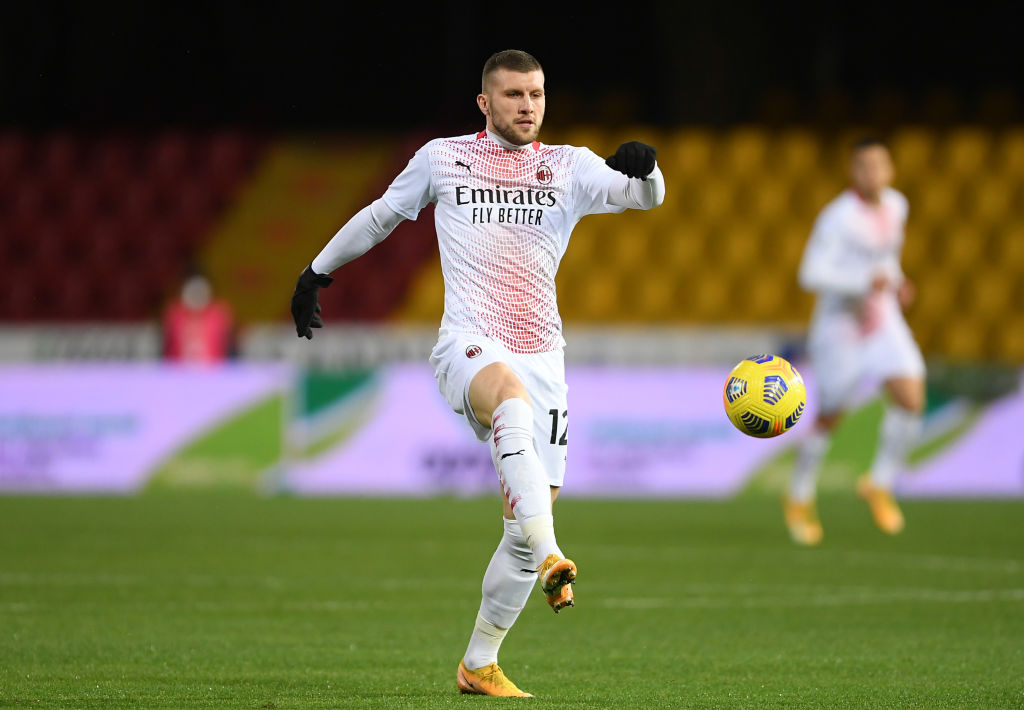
{"type": "Point", "coordinates": [496, 383]}
{"type": "Point", "coordinates": [908, 394]}
{"type": "Point", "coordinates": [912, 401]}
{"type": "Point", "coordinates": [490, 387]}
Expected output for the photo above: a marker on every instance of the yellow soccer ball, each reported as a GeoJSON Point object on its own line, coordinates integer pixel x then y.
{"type": "Point", "coordinates": [764, 396]}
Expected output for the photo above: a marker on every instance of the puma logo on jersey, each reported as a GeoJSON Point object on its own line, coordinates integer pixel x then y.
{"type": "Point", "coordinates": [468, 168]}
{"type": "Point", "coordinates": [516, 453]}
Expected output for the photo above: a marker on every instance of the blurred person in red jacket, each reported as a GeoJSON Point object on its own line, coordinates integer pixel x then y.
{"type": "Point", "coordinates": [198, 327]}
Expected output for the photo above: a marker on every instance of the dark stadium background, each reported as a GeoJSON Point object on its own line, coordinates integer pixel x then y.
{"type": "Point", "coordinates": [370, 65]}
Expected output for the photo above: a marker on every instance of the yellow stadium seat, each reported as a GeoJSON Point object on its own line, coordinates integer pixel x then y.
{"type": "Point", "coordinates": [714, 198]}
{"type": "Point", "coordinates": [760, 297]}
{"type": "Point", "coordinates": [797, 153]}
{"type": "Point", "coordinates": [808, 197]}
{"type": "Point", "coordinates": [1010, 153]}
{"type": "Point", "coordinates": [990, 293]}
{"type": "Point", "coordinates": [912, 150]}
{"type": "Point", "coordinates": [707, 297]}
{"type": "Point", "coordinates": [653, 293]}
{"type": "Point", "coordinates": [1009, 246]}
{"type": "Point", "coordinates": [627, 249]}
{"type": "Point", "coordinates": [917, 248]}
{"type": "Point", "coordinates": [963, 338]}
{"type": "Point", "coordinates": [936, 201]}
{"type": "Point", "coordinates": [743, 151]}
{"type": "Point", "coordinates": [990, 198]}
{"type": "Point", "coordinates": [687, 154]}
{"type": "Point", "coordinates": [767, 200]}
{"type": "Point", "coordinates": [936, 296]}
{"type": "Point", "coordinates": [684, 247]}
{"type": "Point", "coordinates": [600, 298]}
{"type": "Point", "coordinates": [738, 245]}
{"type": "Point", "coordinates": [1008, 339]}
{"type": "Point", "coordinates": [964, 151]}
{"type": "Point", "coordinates": [787, 242]}
{"type": "Point", "coordinates": [963, 245]}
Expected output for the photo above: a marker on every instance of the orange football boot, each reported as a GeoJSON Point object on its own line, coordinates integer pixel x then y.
{"type": "Point", "coordinates": [489, 680]}
{"type": "Point", "coordinates": [802, 521]}
{"type": "Point", "coordinates": [884, 509]}
{"type": "Point", "coordinates": [557, 575]}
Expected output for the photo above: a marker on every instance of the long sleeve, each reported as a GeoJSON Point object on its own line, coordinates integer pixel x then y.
{"type": "Point", "coordinates": [598, 189]}
{"type": "Point", "coordinates": [365, 230]}
{"type": "Point", "coordinates": [410, 192]}
{"type": "Point", "coordinates": [638, 193]}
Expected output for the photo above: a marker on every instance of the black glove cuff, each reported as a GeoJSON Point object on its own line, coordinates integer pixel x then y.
{"type": "Point", "coordinates": [310, 278]}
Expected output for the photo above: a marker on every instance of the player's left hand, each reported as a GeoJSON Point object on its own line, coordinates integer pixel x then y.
{"type": "Point", "coordinates": [634, 159]}
{"type": "Point", "coordinates": [305, 307]}
{"type": "Point", "coordinates": [906, 293]}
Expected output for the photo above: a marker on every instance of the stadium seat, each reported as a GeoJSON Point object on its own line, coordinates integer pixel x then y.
{"type": "Point", "coordinates": [742, 152]}
{"type": "Point", "coordinates": [797, 153]}
{"type": "Point", "coordinates": [912, 150]}
{"type": "Point", "coordinates": [964, 151]}
{"type": "Point", "coordinates": [1009, 154]}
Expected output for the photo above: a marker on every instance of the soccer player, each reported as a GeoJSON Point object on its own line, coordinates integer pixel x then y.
{"type": "Point", "coordinates": [505, 206]}
{"type": "Point", "coordinates": [852, 263]}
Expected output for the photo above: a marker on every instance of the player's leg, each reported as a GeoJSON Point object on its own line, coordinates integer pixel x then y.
{"type": "Point", "coordinates": [507, 585]}
{"type": "Point", "coordinates": [800, 506]}
{"type": "Point", "coordinates": [514, 568]}
{"type": "Point", "coordinates": [500, 401]}
{"type": "Point", "coordinates": [901, 427]}
{"type": "Point", "coordinates": [837, 371]}
{"type": "Point", "coordinates": [897, 361]}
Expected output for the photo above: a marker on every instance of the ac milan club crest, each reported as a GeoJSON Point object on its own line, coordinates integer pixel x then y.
{"type": "Point", "coordinates": [544, 174]}
{"type": "Point", "coordinates": [473, 350]}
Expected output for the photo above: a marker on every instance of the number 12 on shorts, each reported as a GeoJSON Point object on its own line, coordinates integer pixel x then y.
{"type": "Point", "coordinates": [555, 439]}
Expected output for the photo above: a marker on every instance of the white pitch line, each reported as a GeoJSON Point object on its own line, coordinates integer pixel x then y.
{"type": "Point", "coordinates": [939, 562]}
{"type": "Point", "coordinates": [942, 596]}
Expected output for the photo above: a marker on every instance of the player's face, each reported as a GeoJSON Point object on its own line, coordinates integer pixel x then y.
{"type": "Point", "coordinates": [514, 104]}
{"type": "Point", "coordinates": [871, 170]}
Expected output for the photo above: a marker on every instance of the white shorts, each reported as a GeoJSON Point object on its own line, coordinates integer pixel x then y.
{"type": "Point", "coordinates": [843, 359]}
{"type": "Point", "coordinates": [458, 357]}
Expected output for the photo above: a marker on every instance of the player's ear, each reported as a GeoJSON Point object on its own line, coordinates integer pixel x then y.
{"type": "Point", "coordinates": [481, 101]}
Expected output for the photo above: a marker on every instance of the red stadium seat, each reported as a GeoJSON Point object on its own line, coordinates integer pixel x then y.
{"type": "Point", "coordinates": [124, 215]}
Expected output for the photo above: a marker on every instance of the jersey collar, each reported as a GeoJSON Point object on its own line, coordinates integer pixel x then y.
{"type": "Point", "coordinates": [487, 133]}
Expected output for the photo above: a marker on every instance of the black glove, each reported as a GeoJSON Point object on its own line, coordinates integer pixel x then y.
{"type": "Point", "coordinates": [305, 309]}
{"type": "Point", "coordinates": [634, 159]}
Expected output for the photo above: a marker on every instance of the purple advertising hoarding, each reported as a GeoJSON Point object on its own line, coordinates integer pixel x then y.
{"type": "Point", "coordinates": [105, 428]}
{"type": "Point", "coordinates": [631, 433]}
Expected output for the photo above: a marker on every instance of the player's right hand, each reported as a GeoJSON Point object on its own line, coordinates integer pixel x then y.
{"type": "Point", "coordinates": [305, 309]}
{"type": "Point", "coordinates": [634, 159]}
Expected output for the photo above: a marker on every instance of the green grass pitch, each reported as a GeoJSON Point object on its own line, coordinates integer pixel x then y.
{"type": "Point", "coordinates": [229, 601]}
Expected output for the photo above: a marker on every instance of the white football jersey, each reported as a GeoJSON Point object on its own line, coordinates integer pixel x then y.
{"type": "Point", "coordinates": [503, 218]}
{"type": "Point", "coordinates": [852, 242]}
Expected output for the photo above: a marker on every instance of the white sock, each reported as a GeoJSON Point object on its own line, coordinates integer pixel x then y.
{"type": "Point", "coordinates": [804, 482]}
{"type": "Point", "coordinates": [505, 590]}
{"type": "Point", "coordinates": [522, 476]}
{"type": "Point", "coordinates": [900, 429]}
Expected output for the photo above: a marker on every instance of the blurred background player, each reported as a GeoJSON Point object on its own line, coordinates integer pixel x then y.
{"type": "Point", "coordinates": [505, 207]}
{"type": "Point", "coordinates": [857, 333]}
{"type": "Point", "coordinates": [197, 327]}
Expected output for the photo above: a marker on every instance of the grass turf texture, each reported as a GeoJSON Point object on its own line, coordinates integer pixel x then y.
{"type": "Point", "coordinates": [216, 601]}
